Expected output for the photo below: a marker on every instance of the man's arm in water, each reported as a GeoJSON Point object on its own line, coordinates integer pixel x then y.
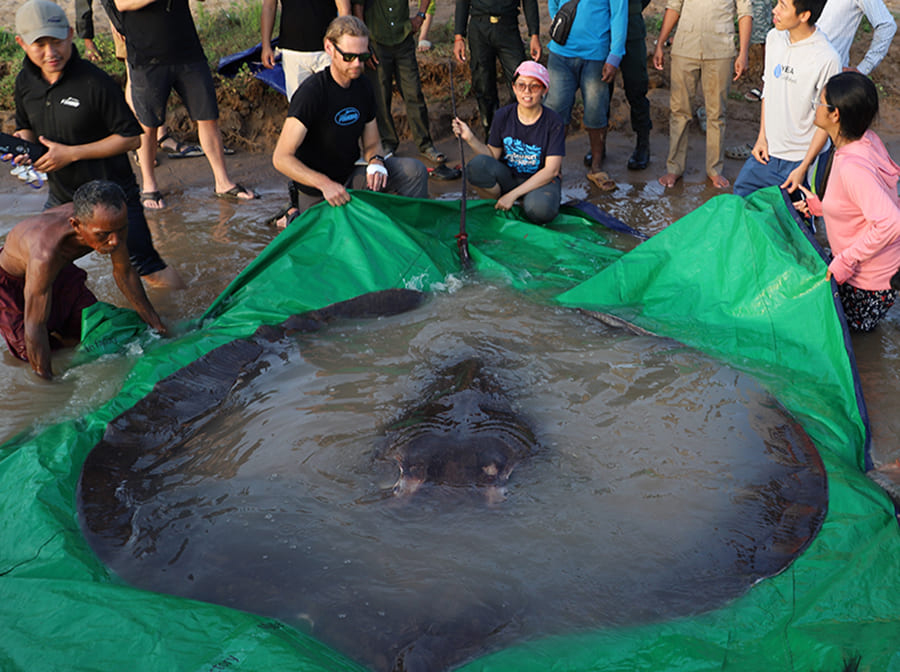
{"type": "Point", "coordinates": [129, 283]}
{"type": "Point", "coordinates": [39, 277]}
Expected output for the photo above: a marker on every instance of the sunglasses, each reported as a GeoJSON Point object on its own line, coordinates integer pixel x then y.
{"type": "Point", "coordinates": [528, 88]}
{"type": "Point", "coordinates": [348, 58]}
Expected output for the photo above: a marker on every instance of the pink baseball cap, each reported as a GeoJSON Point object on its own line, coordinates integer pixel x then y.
{"type": "Point", "coordinates": [536, 70]}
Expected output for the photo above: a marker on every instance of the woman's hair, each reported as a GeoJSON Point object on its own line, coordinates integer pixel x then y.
{"type": "Point", "coordinates": [346, 25]}
{"type": "Point", "coordinates": [856, 98]}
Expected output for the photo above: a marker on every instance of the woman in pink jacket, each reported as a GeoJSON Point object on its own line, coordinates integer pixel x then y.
{"type": "Point", "coordinates": [860, 202]}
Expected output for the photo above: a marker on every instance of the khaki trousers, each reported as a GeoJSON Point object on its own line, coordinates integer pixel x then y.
{"type": "Point", "coordinates": [714, 75]}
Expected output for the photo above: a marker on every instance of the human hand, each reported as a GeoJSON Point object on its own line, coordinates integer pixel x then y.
{"type": "Point", "coordinates": [801, 205]}
{"type": "Point", "coordinates": [505, 202]}
{"type": "Point", "coordinates": [57, 156]}
{"type": "Point", "coordinates": [90, 51]}
{"type": "Point", "coordinates": [535, 48]}
{"type": "Point", "coordinates": [794, 179]}
{"type": "Point", "coordinates": [741, 65]}
{"type": "Point", "coordinates": [760, 151]}
{"type": "Point", "coordinates": [459, 48]}
{"type": "Point", "coordinates": [659, 58]}
{"type": "Point", "coordinates": [268, 56]}
{"type": "Point", "coordinates": [376, 177]}
{"type": "Point", "coordinates": [335, 194]}
{"type": "Point", "coordinates": [461, 129]}
{"type": "Point", "coordinates": [609, 73]}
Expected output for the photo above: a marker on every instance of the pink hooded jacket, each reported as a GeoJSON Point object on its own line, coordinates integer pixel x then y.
{"type": "Point", "coordinates": [862, 214]}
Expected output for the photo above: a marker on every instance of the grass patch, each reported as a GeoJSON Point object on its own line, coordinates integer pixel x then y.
{"type": "Point", "coordinates": [221, 32]}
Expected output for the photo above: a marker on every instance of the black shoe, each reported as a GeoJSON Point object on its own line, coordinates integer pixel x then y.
{"type": "Point", "coordinates": [588, 159]}
{"type": "Point", "coordinates": [640, 159]}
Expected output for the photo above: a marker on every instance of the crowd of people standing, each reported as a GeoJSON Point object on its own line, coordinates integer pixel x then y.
{"type": "Point", "coordinates": [341, 60]}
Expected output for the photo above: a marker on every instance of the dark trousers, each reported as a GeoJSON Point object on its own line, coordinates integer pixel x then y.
{"type": "Point", "coordinates": [489, 42]}
{"type": "Point", "coordinates": [634, 73]}
{"type": "Point", "coordinates": [398, 63]}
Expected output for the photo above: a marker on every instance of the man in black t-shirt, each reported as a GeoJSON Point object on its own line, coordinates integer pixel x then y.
{"type": "Point", "coordinates": [303, 25]}
{"type": "Point", "coordinates": [79, 112]}
{"type": "Point", "coordinates": [328, 115]}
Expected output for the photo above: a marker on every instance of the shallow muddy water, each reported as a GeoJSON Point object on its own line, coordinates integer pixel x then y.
{"type": "Point", "coordinates": [662, 485]}
{"type": "Point", "coordinates": [652, 458]}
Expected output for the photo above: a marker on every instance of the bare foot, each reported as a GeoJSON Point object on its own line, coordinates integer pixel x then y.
{"type": "Point", "coordinates": [669, 179]}
{"type": "Point", "coordinates": [719, 182]}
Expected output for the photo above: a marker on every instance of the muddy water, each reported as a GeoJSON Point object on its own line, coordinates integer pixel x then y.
{"type": "Point", "coordinates": [651, 495]}
{"type": "Point", "coordinates": [640, 458]}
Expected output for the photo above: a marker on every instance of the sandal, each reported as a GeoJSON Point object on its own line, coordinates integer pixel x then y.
{"type": "Point", "coordinates": [178, 149]}
{"type": "Point", "coordinates": [754, 95]}
{"type": "Point", "coordinates": [739, 152]}
{"type": "Point", "coordinates": [433, 156]}
{"type": "Point", "coordinates": [283, 217]}
{"type": "Point", "coordinates": [602, 181]}
{"type": "Point", "coordinates": [445, 172]}
{"type": "Point", "coordinates": [234, 194]}
{"type": "Point", "coordinates": [152, 197]}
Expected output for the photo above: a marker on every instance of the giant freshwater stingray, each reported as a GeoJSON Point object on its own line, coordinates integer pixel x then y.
{"type": "Point", "coordinates": [461, 450]}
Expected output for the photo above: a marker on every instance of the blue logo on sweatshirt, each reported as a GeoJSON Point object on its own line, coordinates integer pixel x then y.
{"type": "Point", "coordinates": [347, 117]}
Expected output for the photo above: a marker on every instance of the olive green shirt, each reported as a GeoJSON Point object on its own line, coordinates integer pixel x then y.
{"type": "Point", "coordinates": [387, 20]}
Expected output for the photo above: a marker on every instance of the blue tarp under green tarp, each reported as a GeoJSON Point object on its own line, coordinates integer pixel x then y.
{"type": "Point", "coordinates": [737, 279]}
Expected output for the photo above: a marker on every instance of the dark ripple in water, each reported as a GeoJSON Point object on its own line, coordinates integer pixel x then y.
{"type": "Point", "coordinates": [664, 485]}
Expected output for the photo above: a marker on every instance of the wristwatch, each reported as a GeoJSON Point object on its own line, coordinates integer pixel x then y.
{"type": "Point", "coordinates": [421, 15]}
{"type": "Point", "coordinates": [376, 156]}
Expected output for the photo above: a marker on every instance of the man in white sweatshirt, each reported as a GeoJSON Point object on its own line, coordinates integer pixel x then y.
{"type": "Point", "coordinates": [799, 61]}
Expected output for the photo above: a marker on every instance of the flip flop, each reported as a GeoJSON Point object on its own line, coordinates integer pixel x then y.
{"type": "Point", "coordinates": [754, 95]}
{"type": "Point", "coordinates": [602, 181]}
{"type": "Point", "coordinates": [739, 152]}
{"type": "Point", "coordinates": [155, 197]}
{"type": "Point", "coordinates": [183, 151]}
{"type": "Point", "coordinates": [234, 194]}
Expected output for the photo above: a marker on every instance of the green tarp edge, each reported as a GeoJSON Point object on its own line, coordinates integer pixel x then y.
{"type": "Point", "coordinates": [61, 610]}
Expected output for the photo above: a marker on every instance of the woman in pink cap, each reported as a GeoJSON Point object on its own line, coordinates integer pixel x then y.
{"type": "Point", "coordinates": [860, 202]}
{"type": "Point", "coordinates": [524, 150]}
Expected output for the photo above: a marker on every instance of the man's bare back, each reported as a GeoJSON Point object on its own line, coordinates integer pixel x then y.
{"type": "Point", "coordinates": [46, 239]}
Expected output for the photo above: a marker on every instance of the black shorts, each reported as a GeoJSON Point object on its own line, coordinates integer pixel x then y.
{"type": "Point", "coordinates": [151, 85]}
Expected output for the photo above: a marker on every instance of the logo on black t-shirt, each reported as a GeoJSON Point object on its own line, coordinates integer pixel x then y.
{"type": "Point", "coordinates": [347, 117]}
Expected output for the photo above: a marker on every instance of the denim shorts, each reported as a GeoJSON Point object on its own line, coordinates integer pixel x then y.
{"type": "Point", "coordinates": [569, 74]}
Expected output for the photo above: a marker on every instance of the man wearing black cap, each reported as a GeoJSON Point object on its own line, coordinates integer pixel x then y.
{"type": "Point", "coordinates": [80, 114]}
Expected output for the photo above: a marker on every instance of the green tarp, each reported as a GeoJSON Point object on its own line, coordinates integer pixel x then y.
{"type": "Point", "coordinates": [736, 279]}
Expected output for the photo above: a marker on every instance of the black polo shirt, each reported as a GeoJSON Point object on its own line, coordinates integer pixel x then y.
{"type": "Point", "coordinates": [83, 106]}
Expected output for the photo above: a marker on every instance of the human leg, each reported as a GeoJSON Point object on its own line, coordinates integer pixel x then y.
{"type": "Point", "coordinates": [484, 69]}
{"type": "Point", "coordinates": [410, 85]}
{"type": "Point", "coordinates": [144, 257]}
{"type": "Point", "coordinates": [755, 175]}
{"type": "Point", "coordinates": [193, 82]}
{"type": "Point", "coordinates": [863, 308]}
{"type": "Point", "coordinates": [636, 82]}
{"type": "Point", "coordinates": [150, 87]}
{"type": "Point", "coordinates": [406, 177]}
{"type": "Point", "coordinates": [564, 79]}
{"type": "Point", "coordinates": [509, 50]}
{"type": "Point", "coordinates": [492, 177]}
{"type": "Point", "coordinates": [542, 204]}
{"type": "Point", "coordinates": [382, 78]}
{"type": "Point", "coordinates": [716, 82]}
{"type": "Point", "coordinates": [685, 73]}
{"type": "Point", "coordinates": [596, 94]}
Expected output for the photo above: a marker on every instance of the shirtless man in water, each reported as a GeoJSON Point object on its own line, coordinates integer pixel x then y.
{"type": "Point", "coordinates": [42, 293]}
